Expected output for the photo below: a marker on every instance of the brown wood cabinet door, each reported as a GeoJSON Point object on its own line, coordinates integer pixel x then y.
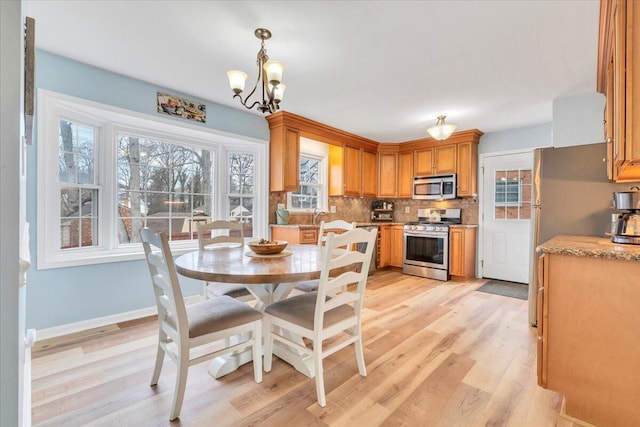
{"type": "Point", "coordinates": [397, 245]}
{"type": "Point", "coordinates": [384, 246]}
{"type": "Point", "coordinates": [456, 251]}
{"type": "Point", "coordinates": [387, 176]}
{"type": "Point", "coordinates": [284, 159]}
{"type": "Point", "coordinates": [352, 172]}
{"type": "Point", "coordinates": [369, 174]}
{"type": "Point", "coordinates": [467, 169]}
{"type": "Point", "coordinates": [405, 174]}
{"type": "Point", "coordinates": [423, 162]}
{"type": "Point", "coordinates": [445, 159]}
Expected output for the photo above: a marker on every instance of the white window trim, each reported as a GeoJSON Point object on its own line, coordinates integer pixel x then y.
{"type": "Point", "coordinates": [109, 120]}
{"type": "Point", "coordinates": [315, 150]}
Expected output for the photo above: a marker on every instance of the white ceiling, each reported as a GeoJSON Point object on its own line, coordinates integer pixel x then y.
{"type": "Point", "coordinates": [380, 69]}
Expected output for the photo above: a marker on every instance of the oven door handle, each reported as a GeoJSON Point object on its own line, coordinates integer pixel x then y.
{"type": "Point", "coordinates": [436, 235]}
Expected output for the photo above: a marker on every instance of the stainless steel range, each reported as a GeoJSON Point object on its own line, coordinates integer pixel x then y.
{"type": "Point", "coordinates": [426, 243]}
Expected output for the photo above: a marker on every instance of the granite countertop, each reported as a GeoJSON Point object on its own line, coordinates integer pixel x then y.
{"type": "Point", "coordinates": [463, 225]}
{"type": "Point", "coordinates": [590, 246]}
{"type": "Point", "coordinates": [295, 225]}
{"type": "Point", "coordinates": [358, 224]}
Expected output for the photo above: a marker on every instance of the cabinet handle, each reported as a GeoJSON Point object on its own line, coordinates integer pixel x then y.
{"type": "Point", "coordinates": [609, 140]}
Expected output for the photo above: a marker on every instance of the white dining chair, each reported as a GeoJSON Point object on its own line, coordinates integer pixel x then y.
{"type": "Point", "coordinates": [323, 231]}
{"type": "Point", "coordinates": [181, 328]}
{"type": "Point", "coordinates": [327, 312]}
{"type": "Point", "coordinates": [222, 233]}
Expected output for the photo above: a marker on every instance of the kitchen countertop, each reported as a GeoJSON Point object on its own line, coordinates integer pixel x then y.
{"type": "Point", "coordinates": [295, 225]}
{"type": "Point", "coordinates": [358, 224]}
{"type": "Point", "coordinates": [590, 246]}
{"type": "Point", "coordinates": [463, 225]}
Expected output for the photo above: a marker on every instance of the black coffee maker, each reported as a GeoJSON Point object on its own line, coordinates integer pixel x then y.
{"type": "Point", "coordinates": [627, 227]}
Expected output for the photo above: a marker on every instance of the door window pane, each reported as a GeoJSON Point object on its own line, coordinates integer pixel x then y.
{"type": "Point", "coordinates": [512, 194]}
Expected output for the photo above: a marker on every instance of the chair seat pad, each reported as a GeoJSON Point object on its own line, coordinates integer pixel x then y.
{"type": "Point", "coordinates": [300, 310]}
{"type": "Point", "coordinates": [228, 289]}
{"type": "Point", "coordinates": [307, 286]}
{"type": "Point", "coordinates": [216, 314]}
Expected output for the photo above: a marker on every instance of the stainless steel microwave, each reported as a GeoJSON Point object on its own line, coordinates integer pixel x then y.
{"type": "Point", "coordinates": [435, 187]}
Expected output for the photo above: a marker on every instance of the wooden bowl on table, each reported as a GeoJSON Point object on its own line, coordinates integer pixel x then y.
{"type": "Point", "coordinates": [267, 247]}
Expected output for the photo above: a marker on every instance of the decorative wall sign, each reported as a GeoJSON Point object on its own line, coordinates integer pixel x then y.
{"type": "Point", "coordinates": [176, 106]}
{"type": "Point", "coordinates": [29, 69]}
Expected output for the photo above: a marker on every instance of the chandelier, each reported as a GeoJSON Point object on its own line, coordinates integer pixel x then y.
{"type": "Point", "coordinates": [441, 130]}
{"type": "Point", "coordinates": [269, 79]}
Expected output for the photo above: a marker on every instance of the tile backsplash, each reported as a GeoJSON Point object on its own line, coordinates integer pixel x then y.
{"type": "Point", "coordinates": [359, 209]}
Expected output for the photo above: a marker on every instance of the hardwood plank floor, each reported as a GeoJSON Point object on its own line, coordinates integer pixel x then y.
{"type": "Point", "coordinates": [437, 354]}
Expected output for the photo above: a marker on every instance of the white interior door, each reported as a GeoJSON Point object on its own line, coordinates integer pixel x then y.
{"type": "Point", "coordinates": [506, 213]}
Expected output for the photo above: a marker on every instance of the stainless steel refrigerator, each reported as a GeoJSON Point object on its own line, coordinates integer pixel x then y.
{"type": "Point", "coordinates": [571, 195]}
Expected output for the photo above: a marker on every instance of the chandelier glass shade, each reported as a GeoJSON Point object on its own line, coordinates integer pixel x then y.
{"type": "Point", "coordinates": [441, 130]}
{"type": "Point", "coordinates": [269, 80]}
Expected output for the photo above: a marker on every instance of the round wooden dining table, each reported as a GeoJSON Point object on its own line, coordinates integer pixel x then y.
{"type": "Point", "coordinates": [269, 278]}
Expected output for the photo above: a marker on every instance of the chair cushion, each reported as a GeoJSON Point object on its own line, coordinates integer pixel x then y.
{"type": "Point", "coordinates": [300, 310]}
{"type": "Point", "coordinates": [229, 289]}
{"type": "Point", "coordinates": [307, 286]}
{"type": "Point", "coordinates": [216, 314]}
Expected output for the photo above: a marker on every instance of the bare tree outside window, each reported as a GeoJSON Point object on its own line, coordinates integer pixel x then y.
{"type": "Point", "coordinates": [241, 187]}
{"type": "Point", "coordinates": [79, 193]}
{"type": "Point", "coordinates": [166, 187]}
{"type": "Point", "coordinates": [310, 191]}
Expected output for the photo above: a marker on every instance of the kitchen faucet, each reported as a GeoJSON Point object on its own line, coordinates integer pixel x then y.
{"type": "Point", "coordinates": [316, 213]}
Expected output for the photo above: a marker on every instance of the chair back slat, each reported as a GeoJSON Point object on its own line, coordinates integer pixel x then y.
{"type": "Point", "coordinates": [220, 232]}
{"type": "Point", "coordinates": [336, 275]}
{"type": "Point", "coordinates": [329, 227]}
{"type": "Point", "coordinates": [164, 279]}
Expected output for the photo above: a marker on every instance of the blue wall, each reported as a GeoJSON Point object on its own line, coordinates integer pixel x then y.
{"type": "Point", "coordinates": [66, 295]}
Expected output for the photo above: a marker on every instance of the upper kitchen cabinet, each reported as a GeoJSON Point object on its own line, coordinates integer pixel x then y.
{"type": "Point", "coordinates": [352, 158]}
{"type": "Point", "coordinates": [467, 168]}
{"type": "Point", "coordinates": [459, 154]}
{"type": "Point", "coordinates": [352, 171]}
{"type": "Point", "coordinates": [395, 172]}
{"type": "Point", "coordinates": [284, 156]}
{"type": "Point", "coordinates": [405, 174]}
{"type": "Point", "coordinates": [369, 174]}
{"type": "Point", "coordinates": [619, 80]}
{"type": "Point", "coordinates": [388, 176]}
{"type": "Point", "coordinates": [435, 160]}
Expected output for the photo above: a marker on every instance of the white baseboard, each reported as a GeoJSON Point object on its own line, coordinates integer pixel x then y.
{"type": "Point", "coordinates": [99, 322]}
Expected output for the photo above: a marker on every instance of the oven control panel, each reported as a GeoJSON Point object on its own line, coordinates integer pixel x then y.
{"type": "Point", "coordinates": [426, 227]}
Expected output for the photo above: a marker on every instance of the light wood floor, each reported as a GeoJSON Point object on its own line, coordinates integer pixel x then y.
{"type": "Point", "coordinates": [437, 354]}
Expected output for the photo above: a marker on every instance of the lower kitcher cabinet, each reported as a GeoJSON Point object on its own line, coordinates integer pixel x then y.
{"type": "Point", "coordinates": [397, 243]}
{"type": "Point", "coordinates": [295, 235]}
{"type": "Point", "coordinates": [462, 252]}
{"type": "Point", "coordinates": [390, 243]}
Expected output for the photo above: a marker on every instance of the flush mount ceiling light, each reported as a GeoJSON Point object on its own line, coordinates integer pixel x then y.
{"type": "Point", "coordinates": [441, 130]}
{"type": "Point", "coordinates": [269, 79]}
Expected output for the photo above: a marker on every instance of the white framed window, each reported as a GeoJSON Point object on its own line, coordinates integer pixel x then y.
{"type": "Point", "coordinates": [104, 173]}
{"type": "Point", "coordinates": [313, 191]}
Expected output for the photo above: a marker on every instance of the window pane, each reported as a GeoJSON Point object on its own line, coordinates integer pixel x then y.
{"type": "Point", "coordinates": [309, 170]}
{"type": "Point", "coordinates": [76, 153]}
{"type": "Point", "coordinates": [163, 186]}
{"type": "Point", "coordinates": [309, 194]}
{"type": "Point", "coordinates": [513, 194]}
{"type": "Point", "coordinates": [78, 217]}
{"type": "Point", "coordinates": [241, 168]}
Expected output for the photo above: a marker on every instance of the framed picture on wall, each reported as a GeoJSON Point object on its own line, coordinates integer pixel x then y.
{"type": "Point", "coordinates": [176, 106]}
